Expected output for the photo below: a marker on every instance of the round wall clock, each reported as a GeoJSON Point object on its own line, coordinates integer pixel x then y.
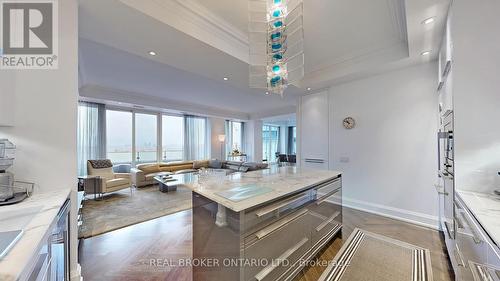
{"type": "Point", "coordinates": [349, 123]}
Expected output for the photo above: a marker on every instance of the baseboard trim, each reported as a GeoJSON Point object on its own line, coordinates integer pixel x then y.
{"type": "Point", "coordinates": [416, 218]}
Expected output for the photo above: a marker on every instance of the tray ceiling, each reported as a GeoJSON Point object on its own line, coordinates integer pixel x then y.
{"type": "Point", "coordinates": [344, 39]}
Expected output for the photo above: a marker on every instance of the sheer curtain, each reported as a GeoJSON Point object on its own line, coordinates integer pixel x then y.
{"type": "Point", "coordinates": [229, 140]}
{"type": "Point", "coordinates": [91, 142]}
{"type": "Point", "coordinates": [195, 140]}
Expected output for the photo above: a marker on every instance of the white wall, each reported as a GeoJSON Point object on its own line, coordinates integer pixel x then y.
{"type": "Point", "coordinates": [476, 93]}
{"type": "Point", "coordinates": [392, 151]}
{"type": "Point", "coordinates": [46, 114]}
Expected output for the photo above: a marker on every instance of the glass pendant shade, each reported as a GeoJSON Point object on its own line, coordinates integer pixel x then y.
{"type": "Point", "coordinates": [276, 44]}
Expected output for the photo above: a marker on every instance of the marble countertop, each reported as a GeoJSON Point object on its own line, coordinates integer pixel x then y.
{"type": "Point", "coordinates": [486, 209]}
{"type": "Point", "coordinates": [34, 215]}
{"type": "Point", "coordinates": [281, 180]}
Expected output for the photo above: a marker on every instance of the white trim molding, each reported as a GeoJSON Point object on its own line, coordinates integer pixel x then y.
{"type": "Point", "coordinates": [192, 18]}
{"type": "Point", "coordinates": [412, 217]}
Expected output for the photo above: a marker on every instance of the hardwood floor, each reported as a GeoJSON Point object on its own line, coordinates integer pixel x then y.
{"type": "Point", "coordinates": [145, 251]}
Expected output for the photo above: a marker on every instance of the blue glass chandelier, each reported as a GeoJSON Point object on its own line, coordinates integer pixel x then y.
{"type": "Point", "coordinates": [276, 44]}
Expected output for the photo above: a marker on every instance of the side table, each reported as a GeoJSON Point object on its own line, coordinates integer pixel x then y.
{"type": "Point", "coordinates": [90, 183]}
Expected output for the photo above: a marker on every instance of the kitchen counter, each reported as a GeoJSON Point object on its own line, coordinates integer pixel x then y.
{"type": "Point", "coordinates": [34, 216]}
{"type": "Point", "coordinates": [281, 181]}
{"type": "Point", "coordinates": [486, 209]}
{"type": "Point", "coordinates": [286, 214]}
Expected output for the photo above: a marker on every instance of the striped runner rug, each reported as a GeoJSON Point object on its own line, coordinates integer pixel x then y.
{"type": "Point", "coordinates": [367, 256]}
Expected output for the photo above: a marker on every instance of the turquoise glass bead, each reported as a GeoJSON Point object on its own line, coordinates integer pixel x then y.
{"type": "Point", "coordinates": [275, 80]}
{"type": "Point", "coordinates": [277, 57]}
{"type": "Point", "coordinates": [276, 46]}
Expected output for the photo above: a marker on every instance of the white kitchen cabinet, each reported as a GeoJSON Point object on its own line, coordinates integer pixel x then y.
{"type": "Point", "coordinates": [314, 130]}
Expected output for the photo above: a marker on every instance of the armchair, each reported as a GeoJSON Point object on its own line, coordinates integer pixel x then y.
{"type": "Point", "coordinates": [109, 180]}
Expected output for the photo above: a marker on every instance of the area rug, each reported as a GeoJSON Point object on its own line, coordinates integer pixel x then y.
{"type": "Point", "coordinates": [371, 257]}
{"type": "Point", "coordinates": [121, 208]}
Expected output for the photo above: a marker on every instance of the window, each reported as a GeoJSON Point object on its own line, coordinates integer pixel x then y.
{"type": "Point", "coordinates": [119, 136]}
{"type": "Point", "coordinates": [135, 137]}
{"type": "Point", "coordinates": [237, 135]}
{"type": "Point", "coordinates": [270, 142]}
{"type": "Point", "coordinates": [234, 136]}
{"type": "Point", "coordinates": [146, 137]}
{"type": "Point", "coordinates": [172, 138]}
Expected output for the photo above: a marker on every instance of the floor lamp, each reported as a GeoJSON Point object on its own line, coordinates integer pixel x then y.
{"type": "Point", "coordinates": [222, 140]}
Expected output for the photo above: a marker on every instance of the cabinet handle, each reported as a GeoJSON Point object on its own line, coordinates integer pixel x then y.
{"type": "Point", "coordinates": [460, 225]}
{"type": "Point", "coordinates": [438, 189]}
{"type": "Point", "coordinates": [326, 222]}
{"type": "Point", "coordinates": [475, 236]}
{"type": "Point", "coordinates": [446, 175]}
{"type": "Point", "coordinates": [275, 226]}
{"type": "Point", "coordinates": [269, 209]}
{"type": "Point", "coordinates": [326, 196]}
{"type": "Point", "coordinates": [262, 274]}
{"type": "Point", "coordinates": [312, 160]}
{"type": "Point", "coordinates": [321, 185]}
{"type": "Point", "coordinates": [458, 256]}
{"type": "Point", "coordinates": [448, 230]}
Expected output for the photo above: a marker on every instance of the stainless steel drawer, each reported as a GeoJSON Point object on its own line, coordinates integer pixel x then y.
{"type": "Point", "coordinates": [328, 200]}
{"type": "Point", "coordinates": [262, 216]}
{"type": "Point", "coordinates": [327, 190]}
{"type": "Point", "coordinates": [281, 244]}
{"type": "Point", "coordinates": [493, 255]}
{"type": "Point", "coordinates": [477, 253]}
{"type": "Point", "coordinates": [322, 227]}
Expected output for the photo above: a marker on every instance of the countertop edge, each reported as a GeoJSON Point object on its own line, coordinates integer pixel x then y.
{"type": "Point", "coordinates": [217, 199]}
{"type": "Point", "coordinates": [478, 216]}
{"type": "Point", "coordinates": [24, 266]}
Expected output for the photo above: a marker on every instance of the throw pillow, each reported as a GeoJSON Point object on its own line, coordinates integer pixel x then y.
{"type": "Point", "coordinates": [215, 164]}
{"type": "Point", "coordinates": [198, 164]}
{"type": "Point", "coordinates": [244, 169]}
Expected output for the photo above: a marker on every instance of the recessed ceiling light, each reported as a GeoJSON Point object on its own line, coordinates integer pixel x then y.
{"type": "Point", "coordinates": [309, 89]}
{"type": "Point", "coordinates": [426, 53]}
{"type": "Point", "coordinates": [225, 78]}
{"type": "Point", "coordinates": [152, 53]}
{"type": "Point", "coordinates": [428, 21]}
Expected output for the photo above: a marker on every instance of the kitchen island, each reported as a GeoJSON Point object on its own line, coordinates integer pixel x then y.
{"type": "Point", "coordinates": [263, 225]}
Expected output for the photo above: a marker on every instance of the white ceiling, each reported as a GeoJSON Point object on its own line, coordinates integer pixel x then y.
{"type": "Point", "coordinates": [199, 42]}
{"type": "Point", "coordinates": [108, 69]}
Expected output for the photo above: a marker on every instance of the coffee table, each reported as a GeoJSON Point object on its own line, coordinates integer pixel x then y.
{"type": "Point", "coordinates": [169, 184]}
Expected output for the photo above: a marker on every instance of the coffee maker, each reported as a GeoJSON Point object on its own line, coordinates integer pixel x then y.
{"type": "Point", "coordinates": [7, 155]}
